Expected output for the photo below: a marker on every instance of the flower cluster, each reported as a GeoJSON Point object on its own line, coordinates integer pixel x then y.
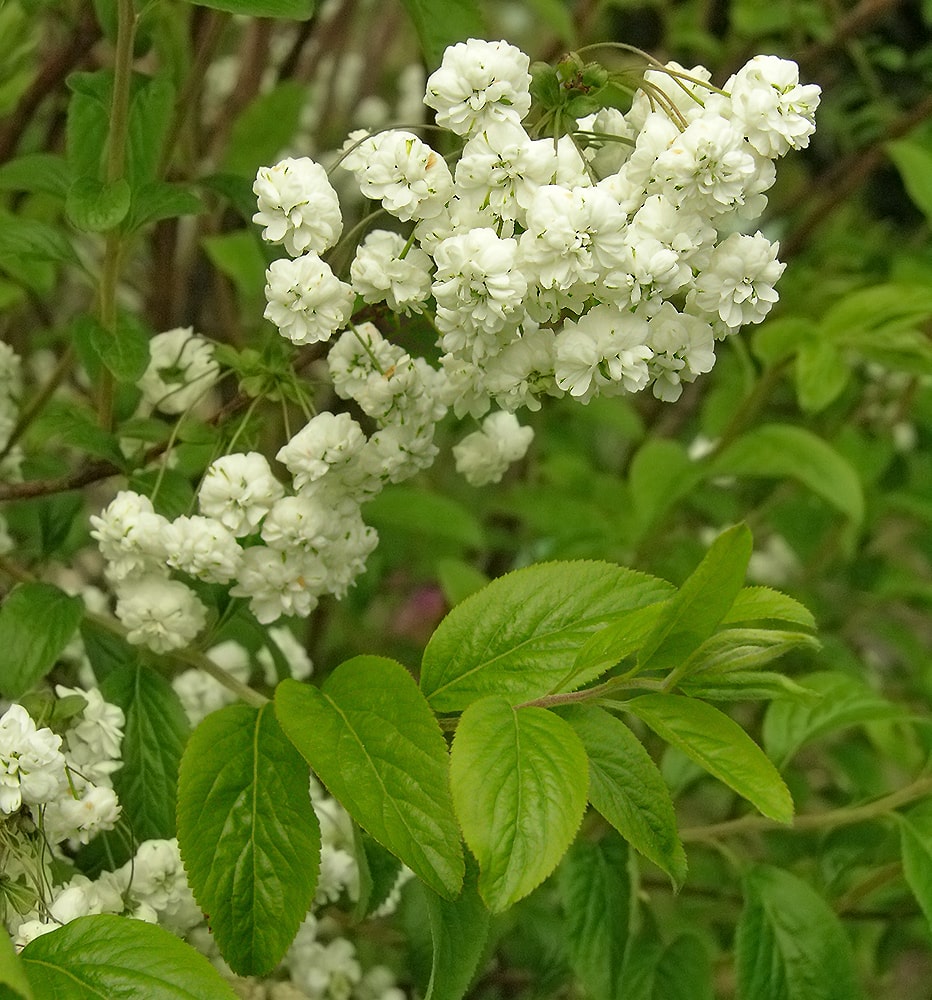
{"type": "Point", "coordinates": [181, 369]}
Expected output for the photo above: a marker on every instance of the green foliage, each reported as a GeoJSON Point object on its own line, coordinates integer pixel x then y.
{"type": "Point", "coordinates": [440, 23]}
{"type": "Point", "coordinates": [37, 621]}
{"type": "Point", "coordinates": [372, 740]}
{"type": "Point", "coordinates": [248, 834]}
{"type": "Point", "coordinates": [13, 982]}
{"type": "Point", "coordinates": [107, 956]}
{"type": "Point", "coordinates": [519, 778]}
{"type": "Point", "coordinates": [296, 10]}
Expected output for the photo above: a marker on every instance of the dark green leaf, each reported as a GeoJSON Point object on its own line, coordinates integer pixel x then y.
{"type": "Point", "coordinates": [916, 848]}
{"type": "Point", "coordinates": [914, 162]}
{"type": "Point", "coordinates": [519, 779]}
{"type": "Point", "coordinates": [378, 872]}
{"type": "Point", "coordinates": [125, 351]}
{"type": "Point", "coordinates": [158, 200]}
{"type": "Point", "coordinates": [430, 515]}
{"type": "Point", "coordinates": [661, 473]}
{"type": "Point", "coordinates": [790, 944]}
{"type": "Point", "coordinates": [821, 375]}
{"type": "Point", "coordinates": [596, 892]}
{"type": "Point", "coordinates": [439, 24]}
{"type": "Point", "coordinates": [150, 114]}
{"type": "Point", "coordinates": [36, 172]}
{"type": "Point", "coordinates": [37, 621]}
{"type": "Point", "coordinates": [720, 745]}
{"type": "Point", "coordinates": [239, 257]}
{"type": "Point", "coordinates": [154, 738]}
{"type": "Point", "coordinates": [627, 788]}
{"type": "Point", "coordinates": [517, 636]}
{"type": "Point", "coordinates": [692, 614]}
{"type": "Point", "coordinates": [75, 425]}
{"type": "Point", "coordinates": [459, 930]}
{"type": "Point", "coordinates": [374, 742]}
{"type": "Point", "coordinates": [845, 701]}
{"type": "Point", "coordinates": [27, 238]}
{"type": "Point", "coordinates": [292, 10]}
{"type": "Point", "coordinates": [88, 121]}
{"type": "Point", "coordinates": [248, 834]}
{"type": "Point", "coordinates": [268, 124]}
{"type": "Point", "coordinates": [96, 207]}
{"type": "Point", "coordinates": [93, 958]}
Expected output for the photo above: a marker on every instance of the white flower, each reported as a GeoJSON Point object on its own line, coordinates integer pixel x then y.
{"type": "Point", "coordinates": [129, 534]}
{"type": "Point", "coordinates": [199, 693]}
{"type": "Point", "coordinates": [299, 663]}
{"type": "Point", "coordinates": [404, 173]}
{"type": "Point", "coordinates": [280, 582]}
{"type": "Point", "coordinates": [479, 83]}
{"type": "Point", "coordinates": [158, 879]}
{"type": "Point", "coordinates": [329, 439]}
{"type": "Point", "coordinates": [239, 490]}
{"type": "Point", "coordinates": [776, 112]}
{"type": "Point", "coordinates": [181, 369]}
{"type": "Point", "coordinates": [298, 206]}
{"type": "Point", "coordinates": [736, 286]}
{"type": "Point", "coordinates": [96, 809]}
{"type": "Point", "coordinates": [94, 738]}
{"type": "Point", "coordinates": [605, 351]}
{"type": "Point", "coordinates": [555, 249]}
{"type": "Point", "coordinates": [484, 456]}
{"type": "Point", "coordinates": [158, 613]}
{"type": "Point", "coordinates": [202, 547]}
{"type": "Point", "coordinates": [306, 301]}
{"type": "Point", "coordinates": [379, 272]}
{"type": "Point", "coordinates": [298, 522]}
{"type": "Point", "coordinates": [683, 348]}
{"type": "Point", "coordinates": [32, 766]}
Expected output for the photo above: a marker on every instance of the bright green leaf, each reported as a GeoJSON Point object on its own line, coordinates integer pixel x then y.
{"type": "Point", "coordinates": [718, 744]}
{"type": "Point", "coordinates": [845, 701]}
{"type": "Point", "coordinates": [596, 892]}
{"type": "Point", "coordinates": [440, 23]}
{"type": "Point", "coordinates": [13, 981]}
{"type": "Point", "coordinates": [105, 956]}
{"type": "Point", "coordinates": [821, 375]}
{"type": "Point", "coordinates": [154, 737]}
{"type": "Point", "coordinates": [459, 930]}
{"type": "Point", "coordinates": [37, 621]}
{"type": "Point", "coordinates": [36, 172]}
{"type": "Point", "coordinates": [880, 310]}
{"type": "Point", "coordinates": [248, 834]}
{"type": "Point", "coordinates": [518, 636]}
{"type": "Point", "coordinates": [789, 943]}
{"type": "Point", "coordinates": [761, 604]}
{"type": "Point", "coordinates": [519, 779]}
{"type": "Point", "coordinates": [374, 742]}
{"type": "Point", "coordinates": [626, 787]}
{"type": "Point", "coordinates": [746, 685]}
{"type": "Point", "coordinates": [692, 614]}
{"type": "Point", "coordinates": [734, 649]}
{"type": "Point", "coordinates": [783, 451]}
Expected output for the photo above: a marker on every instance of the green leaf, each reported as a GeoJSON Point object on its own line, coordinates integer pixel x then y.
{"type": "Point", "coordinates": [519, 779]}
{"type": "Point", "coordinates": [36, 172]}
{"type": "Point", "coordinates": [440, 23]}
{"type": "Point", "coordinates": [153, 742]}
{"type": "Point", "coordinates": [779, 339]}
{"type": "Point", "coordinates": [378, 873]}
{"type": "Point", "coordinates": [517, 636]}
{"type": "Point", "coordinates": [718, 744]}
{"type": "Point", "coordinates": [105, 956]}
{"type": "Point", "coordinates": [96, 207]}
{"type": "Point", "coordinates": [248, 834]}
{"type": "Point", "coordinates": [781, 450]}
{"type": "Point", "coordinates": [268, 124]}
{"type": "Point", "coordinates": [734, 649]}
{"type": "Point", "coordinates": [292, 10]}
{"type": "Point", "coordinates": [372, 739]}
{"type": "Point", "coordinates": [627, 788]}
{"type": "Point", "coordinates": [124, 352]}
{"type": "Point", "coordinates": [158, 200]}
{"type": "Point", "coordinates": [75, 425]}
{"type": "Point", "coordinates": [459, 579]}
{"type": "Point", "coordinates": [845, 701]}
{"type": "Point", "coordinates": [748, 685]}
{"type": "Point", "coordinates": [789, 943]}
{"type": "Point", "coordinates": [681, 971]}
{"type": "Point", "coordinates": [862, 316]}
{"type": "Point", "coordinates": [88, 121]}
{"type": "Point", "coordinates": [692, 614]}
{"type": "Point", "coordinates": [821, 375]}
{"type": "Point", "coordinates": [459, 930]}
{"type": "Point", "coordinates": [661, 473]}
{"type": "Point", "coordinates": [429, 515]}
{"type": "Point", "coordinates": [761, 604]}
{"type": "Point", "coordinates": [239, 257]}
{"type": "Point", "coordinates": [13, 982]}
{"type": "Point", "coordinates": [916, 849]}
{"type": "Point", "coordinates": [37, 621]}
{"type": "Point", "coordinates": [150, 115]}
{"type": "Point", "coordinates": [914, 162]}
{"type": "Point", "coordinates": [27, 238]}
{"type": "Point", "coordinates": [596, 892]}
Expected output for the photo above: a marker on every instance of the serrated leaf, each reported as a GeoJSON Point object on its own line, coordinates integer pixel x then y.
{"type": "Point", "coordinates": [13, 981]}
{"type": "Point", "coordinates": [916, 849]}
{"type": "Point", "coordinates": [789, 943]}
{"type": "Point", "coordinates": [692, 614]}
{"type": "Point", "coordinates": [158, 200]}
{"type": "Point", "coordinates": [596, 893]}
{"type": "Point", "coordinates": [248, 834]}
{"type": "Point", "coordinates": [441, 24]}
{"type": "Point", "coordinates": [519, 780]}
{"type": "Point", "coordinates": [108, 956]}
{"type": "Point", "coordinates": [292, 10]}
{"type": "Point", "coordinates": [627, 788]}
{"type": "Point", "coordinates": [96, 207]}
{"type": "Point", "coordinates": [37, 621]}
{"type": "Point", "coordinates": [429, 515]}
{"type": "Point", "coordinates": [154, 738]}
{"type": "Point", "coordinates": [518, 636]}
{"type": "Point", "coordinates": [459, 930]}
{"type": "Point", "coordinates": [718, 744]}
{"type": "Point", "coordinates": [36, 172]}
{"type": "Point", "coordinates": [845, 701]}
{"type": "Point", "coordinates": [761, 604]}
{"type": "Point", "coordinates": [784, 451]}
{"type": "Point", "coordinates": [372, 739]}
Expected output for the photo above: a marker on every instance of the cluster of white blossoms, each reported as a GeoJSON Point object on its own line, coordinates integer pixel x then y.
{"type": "Point", "coordinates": [181, 370]}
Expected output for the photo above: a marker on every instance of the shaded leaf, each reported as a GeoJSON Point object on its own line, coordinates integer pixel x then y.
{"type": "Point", "coordinates": [439, 24]}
